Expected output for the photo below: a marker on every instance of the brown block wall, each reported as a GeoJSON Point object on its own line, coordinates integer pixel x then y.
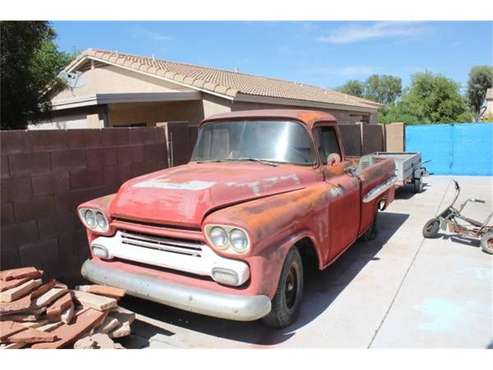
{"type": "Point", "coordinates": [351, 139]}
{"type": "Point", "coordinates": [46, 174]}
{"type": "Point", "coordinates": [373, 140]}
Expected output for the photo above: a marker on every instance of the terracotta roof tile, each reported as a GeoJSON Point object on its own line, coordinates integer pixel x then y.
{"type": "Point", "coordinates": [228, 82]}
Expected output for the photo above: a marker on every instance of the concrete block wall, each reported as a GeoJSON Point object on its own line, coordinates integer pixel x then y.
{"type": "Point", "coordinates": [395, 137]}
{"type": "Point", "coordinates": [372, 139]}
{"type": "Point", "coordinates": [46, 174]}
{"type": "Point", "coordinates": [360, 139]}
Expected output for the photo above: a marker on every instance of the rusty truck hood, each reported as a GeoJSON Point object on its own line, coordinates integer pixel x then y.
{"type": "Point", "coordinates": [183, 195]}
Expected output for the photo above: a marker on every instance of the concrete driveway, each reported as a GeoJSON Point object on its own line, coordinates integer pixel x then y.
{"type": "Point", "coordinates": [399, 290]}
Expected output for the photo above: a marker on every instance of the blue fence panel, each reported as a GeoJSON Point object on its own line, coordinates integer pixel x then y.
{"type": "Point", "coordinates": [454, 149]}
{"type": "Point", "coordinates": [434, 143]}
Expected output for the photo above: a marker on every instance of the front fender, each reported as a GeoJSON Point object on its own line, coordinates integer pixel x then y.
{"type": "Point", "coordinates": [274, 225]}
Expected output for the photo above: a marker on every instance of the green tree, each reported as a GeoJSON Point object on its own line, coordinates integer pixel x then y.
{"type": "Point", "coordinates": [29, 60]}
{"type": "Point", "coordinates": [384, 89]}
{"type": "Point", "coordinates": [431, 98]}
{"type": "Point", "coordinates": [353, 87]}
{"type": "Point", "coordinates": [480, 80]}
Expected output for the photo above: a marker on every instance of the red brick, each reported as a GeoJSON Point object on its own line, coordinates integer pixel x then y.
{"type": "Point", "coordinates": [14, 141]}
{"type": "Point", "coordinates": [7, 214]}
{"type": "Point", "coordinates": [69, 333]}
{"type": "Point", "coordinates": [83, 138]}
{"type": "Point", "coordinates": [4, 165]}
{"type": "Point", "coordinates": [98, 157]}
{"type": "Point", "coordinates": [43, 140]}
{"type": "Point", "coordinates": [115, 136]}
{"type": "Point", "coordinates": [29, 163]}
{"type": "Point", "coordinates": [86, 178]}
{"type": "Point", "coordinates": [68, 159]}
{"type": "Point", "coordinates": [35, 208]}
{"type": "Point", "coordinates": [130, 154]}
{"type": "Point", "coordinates": [42, 255]}
{"type": "Point", "coordinates": [51, 183]}
{"type": "Point", "coordinates": [17, 234]}
{"type": "Point", "coordinates": [16, 188]}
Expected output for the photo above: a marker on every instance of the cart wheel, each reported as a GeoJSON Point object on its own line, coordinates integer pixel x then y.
{"type": "Point", "coordinates": [487, 242]}
{"type": "Point", "coordinates": [430, 230]}
{"type": "Point", "coordinates": [418, 185]}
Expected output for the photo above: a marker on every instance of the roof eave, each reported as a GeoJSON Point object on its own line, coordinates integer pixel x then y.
{"type": "Point", "coordinates": [303, 103]}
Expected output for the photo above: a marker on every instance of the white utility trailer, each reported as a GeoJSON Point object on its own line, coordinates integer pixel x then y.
{"type": "Point", "coordinates": [408, 168]}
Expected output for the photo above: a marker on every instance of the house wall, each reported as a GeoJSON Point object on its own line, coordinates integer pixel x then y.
{"type": "Point", "coordinates": [215, 105]}
{"type": "Point", "coordinates": [112, 79]}
{"type": "Point", "coordinates": [74, 118]}
{"type": "Point", "coordinates": [151, 113]}
{"type": "Point", "coordinates": [340, 115]}
{"type": "Point", "coordinates": [46, 174]}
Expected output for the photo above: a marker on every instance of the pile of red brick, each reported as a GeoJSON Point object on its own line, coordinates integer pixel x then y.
{"type": "Point", "coordinates": [37, 314]}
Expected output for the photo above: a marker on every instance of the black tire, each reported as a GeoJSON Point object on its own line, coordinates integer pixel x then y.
{"type": "Point", "coordinates": [372, 232]}
{"type": "Point", "coordinates": [418, 185]}
{"type": "Point", "coordinates": [287, 301]}
{"type": "Point", "coordinates": [487, 242]}
{"type": "Point", "coordinates": [430, 229]}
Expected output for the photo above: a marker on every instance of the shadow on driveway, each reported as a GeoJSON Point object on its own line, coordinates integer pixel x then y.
{"type": "Point", "coordinates": [321, 289]}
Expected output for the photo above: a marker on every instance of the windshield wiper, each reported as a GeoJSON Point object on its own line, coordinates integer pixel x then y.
{"type": "Point", "coordinates": [258, 160]}
{"type": "Point", "coordinates": [262, 161]}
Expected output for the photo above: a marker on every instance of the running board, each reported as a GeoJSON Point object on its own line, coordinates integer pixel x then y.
{"type": "Point", "coordinates": [380, 189]}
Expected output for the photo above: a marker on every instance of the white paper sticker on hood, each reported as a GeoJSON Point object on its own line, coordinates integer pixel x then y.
{"type": "Point", "coordinates": [163, 184]}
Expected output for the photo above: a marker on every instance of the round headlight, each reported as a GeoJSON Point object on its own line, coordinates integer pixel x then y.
{"type": "Point", "coordinates": [238, 240]}
{"type": "Point", "coordinates": [90, 218]}
{"type": "Point", "coordinates": [101, 221]}
{"type": "Point", "coordinates": [218, 237]}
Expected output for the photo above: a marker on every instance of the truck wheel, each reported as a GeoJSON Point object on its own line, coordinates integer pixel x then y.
{"type": "Point", "coordinates": [287, 301]}
{"type": "Point", "coordinates": [372, 232]}
{"type": "Point", "coordinates": [487, 242]}
{"type": "Point", "coordinates": [430, 230]}
{"type": "Point", "coordinates": [418, 185]}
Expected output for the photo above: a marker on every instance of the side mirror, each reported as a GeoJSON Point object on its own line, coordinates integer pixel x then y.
{"type": "Point", "coordinates": [333, 159]}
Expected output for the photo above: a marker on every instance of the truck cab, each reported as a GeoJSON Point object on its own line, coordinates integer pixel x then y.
{"type": "Point", "coordinates": [229, 233]}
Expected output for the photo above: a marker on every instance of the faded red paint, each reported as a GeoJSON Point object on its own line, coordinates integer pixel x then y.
{"type": "Point", "coordinates": [277, 206]}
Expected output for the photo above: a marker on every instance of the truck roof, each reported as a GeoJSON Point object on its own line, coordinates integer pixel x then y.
{"type": "Point", "coordinates": [307, 117]}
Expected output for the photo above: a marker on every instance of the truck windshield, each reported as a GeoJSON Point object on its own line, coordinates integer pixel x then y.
{"type": "Point", "coordinates": [270, 141]}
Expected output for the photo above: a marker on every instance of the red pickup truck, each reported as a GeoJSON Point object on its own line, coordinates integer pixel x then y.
{"type": "Point", "coordinates": [228, 234]}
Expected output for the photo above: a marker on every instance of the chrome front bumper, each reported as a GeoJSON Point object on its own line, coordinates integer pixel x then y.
{"type": "Point", "coordinates": [224, 306]}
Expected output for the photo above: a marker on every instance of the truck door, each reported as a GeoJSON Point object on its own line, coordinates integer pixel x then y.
{"type": "Point", "coordinates": [344, 204]}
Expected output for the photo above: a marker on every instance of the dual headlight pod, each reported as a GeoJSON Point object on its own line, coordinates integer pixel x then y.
{"type": "Point", "coordinates": [228, 238]}
{"type": "Point", "coordinates": [94, 219]}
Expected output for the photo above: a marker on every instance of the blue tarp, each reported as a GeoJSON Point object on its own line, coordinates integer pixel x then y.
{"type": "Point", "coordinates": [454, 149]}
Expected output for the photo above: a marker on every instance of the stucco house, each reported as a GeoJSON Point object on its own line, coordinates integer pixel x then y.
{"type": "Point", "coordinates": [106, 88]}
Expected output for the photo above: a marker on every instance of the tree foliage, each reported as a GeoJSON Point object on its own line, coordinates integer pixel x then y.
{"type": "Point", "coordinates": [29, 60]}
{"type": "Point", "coordinates": [383, 89]}
{"type": "Point", "coordinates": [431, 98]}
{"type": "Point", "coordinates": [480, 80]}
{"type": "Point", "coordinates": [353, 87]}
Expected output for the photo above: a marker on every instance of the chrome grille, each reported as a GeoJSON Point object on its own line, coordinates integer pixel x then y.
{"type": "Point", "coordinates": [178, 246]}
